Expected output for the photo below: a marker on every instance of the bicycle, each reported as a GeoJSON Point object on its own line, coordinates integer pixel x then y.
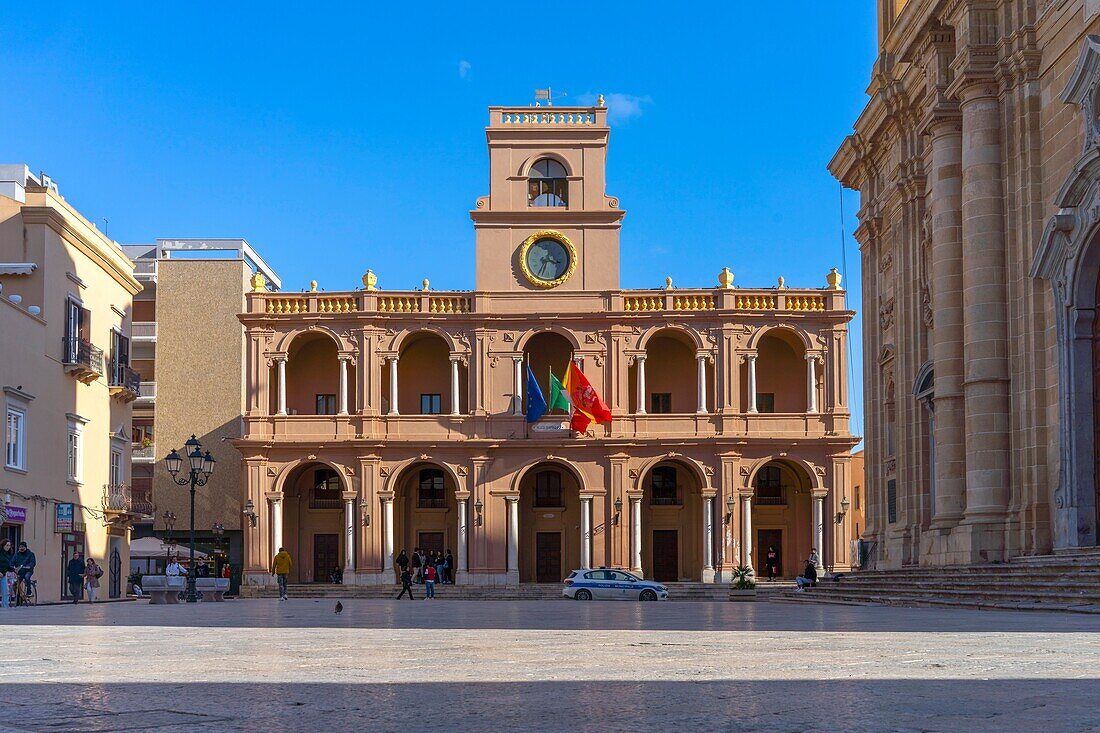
{"type": "Point", "coordinates": [26, 595]}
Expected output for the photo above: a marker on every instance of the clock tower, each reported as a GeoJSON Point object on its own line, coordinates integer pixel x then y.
{"type": "Point", "coordinates": [547, 225]}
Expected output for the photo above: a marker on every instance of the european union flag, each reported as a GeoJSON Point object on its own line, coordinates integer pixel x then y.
{"type": "Point", "coordinates": [536, 403]}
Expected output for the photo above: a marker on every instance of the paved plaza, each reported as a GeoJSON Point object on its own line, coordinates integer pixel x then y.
{"type": "Point", "coordinates": [260, 665]}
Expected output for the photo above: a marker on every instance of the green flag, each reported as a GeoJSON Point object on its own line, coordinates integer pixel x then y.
{"type": "Point", "coordinates": [558, 398]}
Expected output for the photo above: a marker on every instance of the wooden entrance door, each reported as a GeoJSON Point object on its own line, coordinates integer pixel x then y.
{"type": "Point", "coordinates": [429, 542]}
{"type": "Point", "coordinates": [666, 555]}
{"type": "Point", "coordinates": [766, 538]}
{"type": "Point", "coordinates": [326, 556]}
{"type": "Point", "coordinates": [548, 557]}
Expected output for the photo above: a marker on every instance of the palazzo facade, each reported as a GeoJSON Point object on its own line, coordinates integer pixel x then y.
{"type": "Point", "coordinates": [380, 420]}
{"type": "Point", "coordinates": [978, 163]}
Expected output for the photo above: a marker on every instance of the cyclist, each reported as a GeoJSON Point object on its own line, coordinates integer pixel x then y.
{"type": "Point", "coordinates": [23, 564]}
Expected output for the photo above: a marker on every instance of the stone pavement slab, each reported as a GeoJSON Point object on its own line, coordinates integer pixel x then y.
{"type": "Point", "coordinates": [503, 666]}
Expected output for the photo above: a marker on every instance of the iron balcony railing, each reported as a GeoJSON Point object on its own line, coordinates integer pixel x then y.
{"type": "Point", "coordinates": [769, 500]}
{"type": "Point", "coordinates": [80, 352]}
{"type": "Point", "coordinates": [315, 503]}
{"type": "Point", "coordinates": [122, 499]}
{"type": "Point", "coordinates": [123, 376]}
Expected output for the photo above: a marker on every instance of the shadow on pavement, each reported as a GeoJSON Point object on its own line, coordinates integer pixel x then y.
{"type": "Point", "coordinates": [789, 705]}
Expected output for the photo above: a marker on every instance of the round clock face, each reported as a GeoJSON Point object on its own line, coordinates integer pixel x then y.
{"type": "Point", "coordinates": [547, 259]}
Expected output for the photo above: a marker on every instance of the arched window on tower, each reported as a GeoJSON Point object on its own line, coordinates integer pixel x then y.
{"type": "Point", "coordinates": [547, 184]}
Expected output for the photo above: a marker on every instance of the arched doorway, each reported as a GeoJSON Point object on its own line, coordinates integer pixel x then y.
{"type": "Point", "coordinates": [313, 522]}
{"type": "Point", "coordinates": [424, 379]}
{"type": "Point", "coordinates": [780, 373]}
{"type": "Point", "coordinates": [782, 516]}
{"type": "Point", "coordinates": [672, 523]}
{"type": "Point", "coordinates": [545, 352]}
{"type": "Point", "coordinates": [671, 376]}
{"type": "Point", "coordinates": [549, 523]}
{"type": "Point", "coordinates": [425, 511]}
{"type": "Point", "coordinates": [313, 376]}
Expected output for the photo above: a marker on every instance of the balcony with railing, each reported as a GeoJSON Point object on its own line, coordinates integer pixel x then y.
{"type": "Point", "coordinates": [433, 303]}
{"type": "Point", "coordinates": [81, 359]}
{"type": "Point", "coordinates": [143, 452]}
{"type": "Point", "coordinates": [145, 270]}
{"type": "Point", "coordinates": [123, 381]}
{"type": "Point", "coordinates": [143, 331]}
{"type": "Point", "coordinates": [147, 393]}
{"type": "Point", "coordinates": [122, 505]}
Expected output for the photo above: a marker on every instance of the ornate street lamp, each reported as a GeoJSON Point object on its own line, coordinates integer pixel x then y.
{"type": "Point", "coordinates": [249, 511]}
{"type": "Point", "coordinates": [618, 510]}
{"type": "Point", "coordinates": [845, 505]}
{"type": "Point", "coordinates": [200, 468]}
{"type": "Point", "coordinates": [730, 506]}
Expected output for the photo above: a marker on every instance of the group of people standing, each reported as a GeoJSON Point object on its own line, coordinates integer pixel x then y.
{"type": "Point", "coordinates": [81, 573]}
{"type": "Point", "coordinates": [426, 567]}
{"type": "Point", "coordinates": [16, 566]}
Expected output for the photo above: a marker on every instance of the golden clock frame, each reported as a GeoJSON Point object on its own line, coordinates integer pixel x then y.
{"type": "Point", "coordinates": [565, 242]}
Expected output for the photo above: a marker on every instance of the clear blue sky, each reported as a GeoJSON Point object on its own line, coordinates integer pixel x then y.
{"type": "Point", "coordinates": [337, 139]}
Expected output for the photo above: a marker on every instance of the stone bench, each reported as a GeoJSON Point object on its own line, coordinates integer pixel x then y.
{"type": "Point", "coordinates": [163, 588]}
{"type": "Point", "coordinates": [212, 589]}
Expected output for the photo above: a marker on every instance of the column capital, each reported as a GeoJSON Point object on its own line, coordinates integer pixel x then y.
{"type": "Point", "coordinates": [349, 495]}
{"type": "Point", "coordinates": [274, 496]}
{"type": "Point", "coordinates": [511, 498]}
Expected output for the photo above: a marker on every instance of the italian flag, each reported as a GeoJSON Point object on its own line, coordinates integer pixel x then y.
{"type": "Point", "coordinates": [578, 392]}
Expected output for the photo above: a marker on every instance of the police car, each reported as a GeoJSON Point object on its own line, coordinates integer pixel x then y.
{"type": "Point", "coordinates": [611, 585]}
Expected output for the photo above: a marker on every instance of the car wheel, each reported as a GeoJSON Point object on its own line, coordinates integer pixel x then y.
{"type": "Point", "coordinates": [582, 595]}
{"type": "Point", "coordinates": [648, 595]}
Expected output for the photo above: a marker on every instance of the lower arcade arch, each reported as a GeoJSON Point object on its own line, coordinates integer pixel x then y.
{"type": "Point", "coordinates": [672, 523]}
{"type": "Point", "coordinates": [313, 522]}
{"type": "Point", "coordinates": [549, 523]}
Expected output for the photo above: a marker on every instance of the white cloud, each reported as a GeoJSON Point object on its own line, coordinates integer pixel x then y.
{"type": "Point", "coordinates": [463, 68]}
{"type": "Point", "coordinates": [620, 107]}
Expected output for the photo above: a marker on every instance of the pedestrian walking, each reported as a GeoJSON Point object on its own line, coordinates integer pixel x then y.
{"type": "Point", "coordinates": [74, 573]}
{"type": "Point", "coordinates": [280, 568]}
{"type": "Point", "coordinates": [449, 566]}
{"type": "Point", "coordinates": [429, 582]}
{"type": "Point", "coordinates": [771, 562]}
{"type": "Point", "coordinates": [7, 572]}
{"type": "Point", "coordinates": [416, 564]}
{"type": "Point", "coordinates": [92, 574]}
{"type": "Point", "coordinates": [406, 584]}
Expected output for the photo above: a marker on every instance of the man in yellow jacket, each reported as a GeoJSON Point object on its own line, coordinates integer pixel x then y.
{"type": "Point", "coordinates": [280, 568]}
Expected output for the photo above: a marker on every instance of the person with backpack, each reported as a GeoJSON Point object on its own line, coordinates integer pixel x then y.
{"type": "Point", "coordinates": [406, 584]}
{"type": "Point", "coordinates": [92, 574]}
{"type": "Point", "coordinates": [429, 581]}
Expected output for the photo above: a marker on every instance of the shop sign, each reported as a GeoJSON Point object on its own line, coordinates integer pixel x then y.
{"type": "Point", "coordinates": [15, 514]}
{"type": "Point", "coordinates": [63, 518]}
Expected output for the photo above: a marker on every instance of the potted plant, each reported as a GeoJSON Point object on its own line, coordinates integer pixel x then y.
{"type": "Point", "coordinates": [743, 587]}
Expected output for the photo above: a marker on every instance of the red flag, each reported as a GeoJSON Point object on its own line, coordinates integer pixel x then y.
{"type": "Point", "coordinates": [587, 405]}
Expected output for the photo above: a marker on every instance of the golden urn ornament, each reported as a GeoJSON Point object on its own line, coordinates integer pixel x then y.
{"type": "Point", "coordinates": [833, 278]}
{"type": "Point", "coordinates": [258, 282]}
{"type": "Point", "coordinates": [725, 278]}
{"type": "Point", "coordinates": [370, 280]}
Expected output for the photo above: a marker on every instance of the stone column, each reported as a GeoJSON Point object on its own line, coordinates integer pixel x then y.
{"type": "Point", "coordinates": [636, 534]}
{"type": "Point", "coordinates": [819, 528]}
{"type": "Point", "coordinates": [750, 359]}
{"type": "Point", "coordinates": [513, 536]}
{"type": "Point", "coordinates": [640, 360]}
{"type": "Point", "coordinates": [746, 528]}
{"type": "Point", "coordinates": [393, 386]}
{"type": "Point", "coordinates": [387, 528]}
{"type": "Point", "coordinates": [949, 436]}
{"type": "Point", "coordinates": [460, 558]}
{"type": "Point", "coordinates": [811, 383]}
{"type": "Point", "coordinates": [586, 531]}
{"type": "Point", "coordinates": [517, 385]}
{"type": "Point", "coordinates": [455, 409]}
{"type": "Point", "coordinates": [708, 539]}
{"type": "Point", "coordinates": [985, 324]}
{"type": "Point", "coordinates": [280, 377]}
{"type": "Point", "coordinates": [342, 397]}
{"type": "Point", "coordinates": [349, 535]}
{"type": "Point", "coordinates": [701, 383]}
{"type": "Point", "coordinates": [277, 523]}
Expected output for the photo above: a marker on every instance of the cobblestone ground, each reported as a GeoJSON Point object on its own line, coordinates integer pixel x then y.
{"type": "Point", "coordinates": [552, 665]}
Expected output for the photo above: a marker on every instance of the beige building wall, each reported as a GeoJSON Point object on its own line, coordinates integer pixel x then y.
{"type": "Point", "coordinates": [71, 259]}
{"type": "Point", "coordinates": [200, 357]}
{"type": "Point", "coordinates": [973, 160]}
